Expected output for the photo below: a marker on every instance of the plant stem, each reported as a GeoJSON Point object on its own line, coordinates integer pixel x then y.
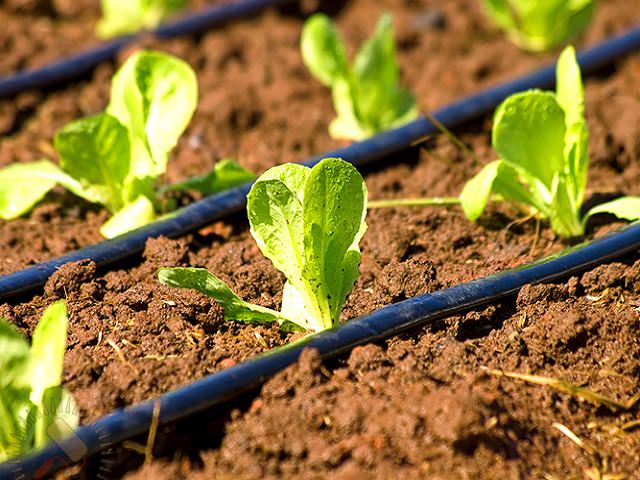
{"type": "Point", "coordinates": [414, 202]}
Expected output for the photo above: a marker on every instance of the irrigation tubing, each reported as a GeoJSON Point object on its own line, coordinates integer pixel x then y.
{"type": "Point", "coordinates": [79, 64]}
{"type": "Point", "coordinates": [214, 207]}
{"type": "Point", "coordinates": [219, 388]}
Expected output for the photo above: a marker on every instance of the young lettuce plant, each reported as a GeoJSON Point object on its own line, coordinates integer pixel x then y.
{"type": "Point", "coordinates": [115, 157]}
{"type": "Point", "coordinates": [34, 408]}
{"type": "Point", "coordinates": [542, 140]}
{"type": "Point", "coordinates": [539, 25]}
{"type": "Point", "coordinates": [308, 222]}
{"type": "Point", "coordinates": [121, 17]}
{"type": "Point", "coordinates": [366, 96]}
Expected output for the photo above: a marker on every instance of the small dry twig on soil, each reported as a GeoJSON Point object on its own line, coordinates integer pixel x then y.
{"type": "Point", "coordinates": [571, 389]}
{"type": "Point", "coordinates": [153, 430]}
{"type": "Point", "coordinates": [121, 356]}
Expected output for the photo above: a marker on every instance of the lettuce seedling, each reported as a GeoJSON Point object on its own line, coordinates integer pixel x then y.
{"type": "Point", "coordinates": [121, 17]}
{"type": "Point", "coordinates": [539, 25]}
{"type": "Point", "coordinates": [542, 140]}
{"type": "Point", "coordinates": [308, 222]}
{"type": "Point", "coordinates": [366, 96]}
{"type": "Point", "coordinates": [115, 157]}
{"type": "Point", "coordinates": [34, 408]}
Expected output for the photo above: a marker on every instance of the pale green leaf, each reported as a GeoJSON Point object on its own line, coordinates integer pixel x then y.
{"type": "Point", "coordinates": [625, 208]}
{"type": "Point", "coordinates": [120, 17]}
{"type": "Point", "coordinates": [226, 174]}
{"type": "Point", "coordinates": [133, 215]}
{"type": "Point", "coordinates": [14, 355]}
{"type": "Point", "coordinates": [346, 125]}
{"type": "Point", "coordinates": [564, 213]}
{"type": "Point", "coordinates": [56, 419]}
{"type": "Point", "coordinates": [529, 133]}
{"type": "Point", "coordinates": [322, 49]}
{"type": "Point", "coordinates": [154, 96]}
{"type": "Point", "coordinates": [205, 282]}
{"type": "Point", "coordinates": [539, 25]}
{"type": "Point", "coordinates": [276, 220]}
{"type": "Point", "coordinates": [476, 192]}
{"type": "Point", "coordinates": [22, 185]}
{"type": "Point", "coordinates": [95, 151]}
{"type": "Point", "coordinates": [48, 346]}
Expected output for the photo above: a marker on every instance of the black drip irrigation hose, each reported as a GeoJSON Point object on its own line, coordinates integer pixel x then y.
{"type": "Point", "coordinates": [81, 63]}
{"type": "Point", "coordinates": [214, 207]}
{"type": "Point", "coordinates": [219, 388]}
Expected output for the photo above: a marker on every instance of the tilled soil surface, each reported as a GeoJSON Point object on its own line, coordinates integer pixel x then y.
{"type": "Point", "coordinates": [54, 29]}
{"type": "Point", "coordinates": [260, 105]}
{"type": "Point", "coordinates": [419, 405]}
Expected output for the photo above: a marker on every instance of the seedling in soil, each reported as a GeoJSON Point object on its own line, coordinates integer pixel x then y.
{"type": "Point", "coordinates": [542, 139]}
{"type": "Point", "coordinates": [114, 158]}
{"type": "Point", "coordinates": [539, 25]}
{"type": "Point", "coordinates": [308, 222]}
{"type": "Point", "coordinates": [366, 96]}
{"type": "Point", "coordinates": [120, 17]}
{"type": "Point", "coordinates": [34, 408]}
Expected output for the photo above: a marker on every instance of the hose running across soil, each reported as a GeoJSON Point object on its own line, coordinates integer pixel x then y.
{"type": "Point", "coordinates": [212, 208]}
{"type": "Point", "coordinates": [219, 388]}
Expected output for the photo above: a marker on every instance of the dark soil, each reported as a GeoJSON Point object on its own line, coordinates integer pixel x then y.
{"type": "Point", "coordinates": [418, 405]}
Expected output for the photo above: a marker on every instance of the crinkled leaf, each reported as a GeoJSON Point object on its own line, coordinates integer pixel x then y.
{"type": "Point", "coordinates": [322, 49]}
{"type": "Point", "coordinates": [96, 152]}
{"type": "Point", "coordinates": [276, 219]}
{"type": "Point", "coordinates": [333, 218]}
{"type": "Point", "coordinates": [205, 282]}
{"type": "Point", "coordinates": [133, 215]}
{"type": "Point", "coordinates": [625, 208]}
{"type": "Point", "coordinates": [154, 96]}
{"type": "Point", "coordinates": [48, 346]}
{"type": "Point", "coordinates": [22, 185]}
{"type": "Point", "coordinates": [226, 174]}
{"type": "Point", "coordinates": [121, 17]}
{"type": "Point", "coordinates": [528, 133]}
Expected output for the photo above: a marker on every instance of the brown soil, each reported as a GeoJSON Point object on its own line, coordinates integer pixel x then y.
{"type": "Point", "coordinates": [418, 405]}
{"type": "Point", "coordinates": [54, 29]}
{"type": "Point", "coordinates": [260, 105]}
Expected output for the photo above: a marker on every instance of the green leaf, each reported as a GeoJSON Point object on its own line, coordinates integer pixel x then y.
{"type": "Point", "coordinates": [226, 174]}
{"type": "Point", "coordinates": [376, 74]}
{"type": "Point", "coordinates": [57, 417]}
{"type": "Point", "coordinates": [154, 96]}
{"type": "Point", "coordinates": [322, 49]}
{"type": "Point", "coordinates": [346, 125]}
{"type": "Point", "coordinates": [539, 25]}
{"type": "Point", "coordinates": [570, 96]}
{"type": "Point", "coordinates": [95, 151]}
{"type": "Point", "coordinates": [14, 409]}
{"type": "Point", "coordinates": [121, 17]}
{"type": "Point", "coordinates": [366, 98]}
{"type": "Point", "coordinates": [625, 208]}
{"type": "Point", "coordinates": [133, 215]}
{"type": "Point", "coordinates": [334, 212]}
{"type": "Point", "coordinates": [528, 133]}
{"type": "Point", "coordinates": [276, 219]}
{"type": "Point", "coordinates": [48, 346]}
{"type": "Point", "coordinates": [22, 185]}
{"type": "Point", "coordinates": [14, 355]}
{"type": "Point", "coordinates": [564, 212]}
{"type": "Point", "coordinates": [205, 282]}
{"type": "Point", "coordinates": [476, 192]}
